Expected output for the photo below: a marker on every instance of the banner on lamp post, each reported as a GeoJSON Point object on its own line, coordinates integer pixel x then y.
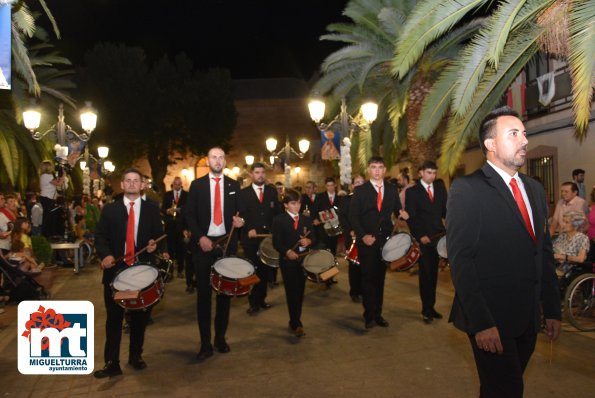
{"type": "Point", "coordinates": [5, 71]}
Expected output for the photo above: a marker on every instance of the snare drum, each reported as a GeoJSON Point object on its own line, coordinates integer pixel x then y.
{"type": "Point", "coordinates": [401, 251]}
{"type": "Point", "coordinates": [352, 254]}
{"type": "Point", "coordinates": [267, 253]}
{"type": "Point", "coordinates": [138, 287]}
{"type": "Point", "coordinates": [232, 276]}
{"type": "Point", "coordinates": [441, 248]}
{"type": "Point", "coordinates": [320, 266]}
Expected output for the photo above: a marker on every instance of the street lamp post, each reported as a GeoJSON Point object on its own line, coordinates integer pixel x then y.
{"type": "Point", "coordinates": [287, 150]}
{"type": "Point", "coordinates": [347, 125]}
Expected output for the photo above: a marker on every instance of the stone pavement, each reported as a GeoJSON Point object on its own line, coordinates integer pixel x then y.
{"type": "Point", "coordinates": [337, 357]}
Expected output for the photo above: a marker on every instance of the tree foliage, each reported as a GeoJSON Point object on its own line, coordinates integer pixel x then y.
{"type": "Point", "coordinates": [156, 110]}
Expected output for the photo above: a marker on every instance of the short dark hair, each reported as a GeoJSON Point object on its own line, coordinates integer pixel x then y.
{"type": "Point", "coordinates": [572, 185]}
{"type": "Point", "coordinates": [488, 124]}
{"type": "Point", "coordinates": [576, 172]}
{"type": "Point", "coordinates": [132, 170]}
{"type": "Point", "coordinates": [257, 165]}
{"type": "Point", "coordinates": [291, 195]}
{"type": "Point", "coordinates": [329, 179]}
{"type": "Point", "coordinates": [428, 164]}
{"type": "Point", "coordinates": [376, 159]}
{"type": "Point", "coordinates": [278, 184]}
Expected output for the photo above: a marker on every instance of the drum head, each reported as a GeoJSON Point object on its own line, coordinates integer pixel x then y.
{"type": "Point", "coordinates": [319, 261]}
{"type": "Point", "coordinates": [441, 248]}
{"type": "Point", "coordinates": [136, 277]}
{"type": "Point", "coordinates": [233, 267]}
{"type": "Point", "coordinates": [267, 249]}
{"type": "Point", "coordinates": [396, 247]}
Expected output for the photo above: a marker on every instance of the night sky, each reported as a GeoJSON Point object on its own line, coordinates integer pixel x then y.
{"type": "Point", "coordinates": [253, 38]}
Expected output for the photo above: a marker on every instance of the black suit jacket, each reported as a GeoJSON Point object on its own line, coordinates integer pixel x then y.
{"type": "Point", "coordinates": [256, 215]}
{"type": "Point", "coordinates": [285, 237]}
{"type": "Point", "coordinates": [425, 216]}
{"type": "Point", "coordinates": [306, 202]}
{"type": "Point", "coordinates": [198, 206]}
{"type": "Point", "coordinates": [364, 215]}
{"type": "Point", "coordinates": [110, 235]}
{"type": "Point", "coordinates": [167, 203]}
{"type": "Point", "coordinates": [501, 276]}
{"type": "Point", "coordinates": [343, 213]}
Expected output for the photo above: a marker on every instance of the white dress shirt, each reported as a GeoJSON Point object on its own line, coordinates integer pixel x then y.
{"type": "Point", "coordinates": [137, 205]}
{"type": "Point", "coordinates": [216, 230]}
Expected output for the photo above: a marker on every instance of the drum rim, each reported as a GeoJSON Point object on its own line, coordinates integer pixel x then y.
{"type": "Point", "coordinates": [253, 268]}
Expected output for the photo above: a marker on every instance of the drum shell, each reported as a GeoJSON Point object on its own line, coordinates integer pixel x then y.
{"type": "Point", "coordinates": [227, 285]}
{"type": "Point", "coordinates": [317, 263]}
{"type": "Point", "coordinates": [267, 253]}
{"type": "Point", "coordinates": [407, 258]}
{"type": "Point", "coordinates": [352, 254]}
{"type": "Point", "coordinates": [148, 296]}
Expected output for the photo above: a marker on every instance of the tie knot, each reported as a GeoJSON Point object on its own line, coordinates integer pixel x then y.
{"type": "Point", "coordinates": [378, 186]}
{"type": "Point", "coordinates": [217, 179]}
{"type": "Point", "coordinates": [131, 204]}
{"type": "Point", "coordinates": [513, 181]}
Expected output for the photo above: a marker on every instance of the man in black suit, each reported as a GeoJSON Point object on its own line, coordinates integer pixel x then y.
{"type": "Point", "coordinates": [308, 199]}
{"type": "Point", "coordinates": [172, 211]}
{"type": "Point", "coordinates": [426, 206]}
{"type": "Point", "coordinates": [326, 200]}
{"type": "Point", "coordinates": [117, 225]}
{"type": "Point", "coordinates": [501, 258]}
{"type": "Point", "coordinates": [370, 212]}
{"type": "Point", "coordinates": [211, 210]}
{"type": "Point", "coordinates": [355, 271]}
{"type": "Point", "coordinates": [260, 205]}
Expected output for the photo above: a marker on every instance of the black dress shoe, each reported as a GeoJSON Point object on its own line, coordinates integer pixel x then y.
{"type": "Point", "coordinates": [299, 332]}
{"type": "Point", "coordinates": [436, 314]}
{"type": "Point", "coordinates": [355, 298]}
{"type": "Point", "coordinates": [137, 362]}
{"type": "Point", "coordinates": [427, 319]}
{"type": "Point", "coordinates": [222, 346]}
{"type": "Point", "coordinates": [380, 321]}
{"type": "Point", "coordinates": [252, 310]}
{"type": "Point", "coordinates": [265, 306]}
{"type": "Point", "coordinates": [110, 369]}
{"type": "Point", "coordinates": [189, 290]}
{"type": "Point", "coordinates": [206, 351]}
{"type": "Point", "coordinates": [369, 324]}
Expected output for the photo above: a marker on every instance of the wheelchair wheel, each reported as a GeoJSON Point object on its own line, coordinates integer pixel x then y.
{"type": "Point", "coordinates": [87, 252]}
{"type": "Point", "coordinates": [580, 302]}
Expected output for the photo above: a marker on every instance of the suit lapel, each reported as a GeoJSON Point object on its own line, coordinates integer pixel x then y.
{"type": "Point", "coordinates": [494, 179]}
{"type": "Point", "coordinates": [538, 219]}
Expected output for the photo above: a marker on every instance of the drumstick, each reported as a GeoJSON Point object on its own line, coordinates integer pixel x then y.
{"type": "Point", "coordinates": [144, 249]}
{"type": "Point", "coordinates": [221, 239]}
{"type": "Point", "coordinates": [307, 252]}
{"type": "Point", "coordinates": [298, 242]}
{"type": "Point", "coordinates": [229, 237]}
{"type": "Point", "coordinates": [263, 236]}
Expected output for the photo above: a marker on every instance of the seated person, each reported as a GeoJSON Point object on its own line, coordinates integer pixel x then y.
{"type": "Point", "coordinates": [18, 257]}
{"type": "Point", "coordinates": [571, 246]}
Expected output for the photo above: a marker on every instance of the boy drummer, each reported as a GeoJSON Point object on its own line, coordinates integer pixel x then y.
{"type": "Point", "coordinates": [292, 234]}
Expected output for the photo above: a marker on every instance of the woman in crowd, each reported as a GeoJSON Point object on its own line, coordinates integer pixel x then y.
{"type": "Point", "coordinates": [571, 246]}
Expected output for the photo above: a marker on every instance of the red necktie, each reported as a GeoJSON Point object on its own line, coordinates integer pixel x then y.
{"type": "Point", "coordinates": [295, 222]}
{"type": "Point", "coordinates": [330, 199]}
{"type": "Point", "coordinates": [379, 197]}
{"type": "Point", "coordinates": [217, 214]}
{"type": "Point", "coordinates": [522, 207]}
{"type": "Point", "coordinates": [430, 193]}
{"type": "Point", "coordinates": [130, 236]}
{"type": "Point", "coordinates": [177, 197]}
{"type": "Point", "coordinates": [260, 195]}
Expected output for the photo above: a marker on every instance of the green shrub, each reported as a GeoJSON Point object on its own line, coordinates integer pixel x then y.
{"type": "Point", "coordinates": [42, 249]}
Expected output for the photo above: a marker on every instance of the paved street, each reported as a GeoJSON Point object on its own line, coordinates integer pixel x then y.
{"type": "Point", "coordinates": [336, 358]}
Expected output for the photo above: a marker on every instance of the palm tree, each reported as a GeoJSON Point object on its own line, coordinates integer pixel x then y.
{"type": "Point", "coordinates": [363, 68]}
{"type": "Point", "coordinates": [474, 84]}
{"type": "Point", "coordinates": [34, 59]}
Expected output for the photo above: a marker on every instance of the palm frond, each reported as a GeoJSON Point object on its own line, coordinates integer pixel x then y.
{"type": "Point", "coordinates": [437, 103]}
{"type": "Point", "coordinates": [517, 53]}
{"type": "Point", "coordinates": [21, 62]}
{"type": "Point", "coordinates": [429, 20]}
{"type": "Point", "coordinates": [499, 27]}
{"type": "Point", "coordinates": [581, 61]}
{"type": "Point", "coordinates": [50, 17]}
